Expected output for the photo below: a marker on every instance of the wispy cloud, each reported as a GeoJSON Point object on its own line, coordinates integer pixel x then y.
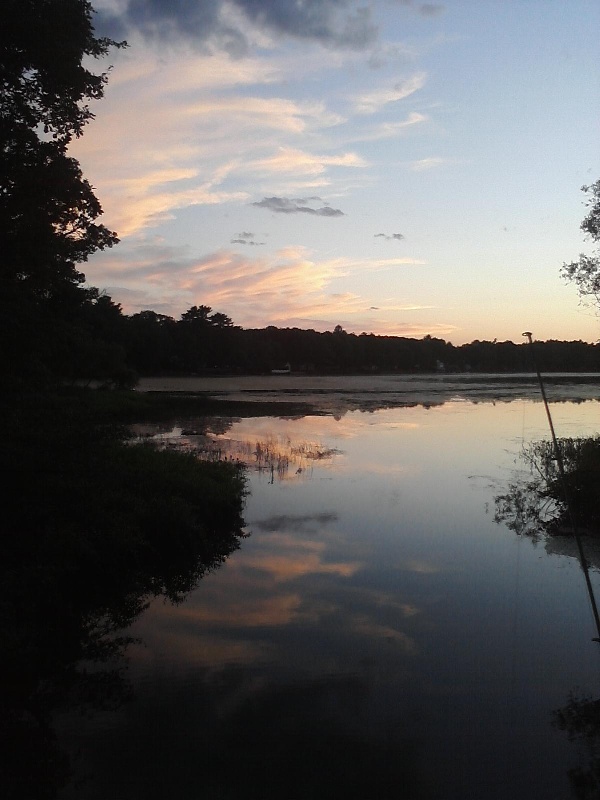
{"type": "Point", "coordinates": [424, 164]}
{"type": "Point", "coordinates": [290, 287]}
{"type": "Point", "coordinates": [294, 161]}
{"type": "Point", "coordinates": [212, 143]}
{"type": "Point", "coordinates": [371, 102]}
{"type": "Point", "coordinates": [285, 205]}
{"type": "Point", "coordinates": [273, 113]}
{"type": "Point", "coordinates": [384, 53]}
{"type": "Point", "coordinates": [389, 130]}
{"type": "Point", "coordinates": [385, 263]}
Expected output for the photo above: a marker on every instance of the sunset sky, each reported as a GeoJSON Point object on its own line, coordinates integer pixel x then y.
{"type": "Point", "coordinates": [391, 166]}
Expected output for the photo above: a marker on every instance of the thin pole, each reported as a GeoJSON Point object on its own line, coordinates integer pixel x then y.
{"type": "Point", "coordinates": [563, 481]}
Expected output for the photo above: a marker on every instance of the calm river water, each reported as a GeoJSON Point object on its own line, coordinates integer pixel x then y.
{"type": "Point", "coordinates": [376, 635]}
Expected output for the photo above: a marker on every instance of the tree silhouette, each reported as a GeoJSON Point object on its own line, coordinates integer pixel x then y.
{"type": "Point", "coordinates": [48, 211]}
{"type": "Point", "coordinates": [585, 272]}
{"type": "Point", "coordinates": [197, 315]}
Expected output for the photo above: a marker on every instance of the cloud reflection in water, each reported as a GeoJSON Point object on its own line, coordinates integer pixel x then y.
{"type": "Point", "coordinates": [374, 603]}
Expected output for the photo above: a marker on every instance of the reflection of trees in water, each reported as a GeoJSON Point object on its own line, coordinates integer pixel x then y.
{"type": "Point", "coordinates": [311, 741]}
{"type": "Point", "coordinates": [119, 527]}
{"type": "Point", "coordinates": [537, 505]}
{"type": "Point", "coordinates": [580, 718]}
{"type": "Point", "coordinates": [240, 734]}
{"type": "Point", "coordinates": [68, 652]}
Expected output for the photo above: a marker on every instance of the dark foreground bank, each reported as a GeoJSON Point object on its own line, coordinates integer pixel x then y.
{"type": "Point", "coordinates": [93, 527]}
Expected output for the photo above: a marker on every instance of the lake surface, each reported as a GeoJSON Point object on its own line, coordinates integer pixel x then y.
{"type": "Point", "coordinates": [376, 635]}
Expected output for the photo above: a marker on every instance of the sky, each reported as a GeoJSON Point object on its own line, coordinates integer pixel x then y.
{"type": "Point", "coordinates": [391, 166]}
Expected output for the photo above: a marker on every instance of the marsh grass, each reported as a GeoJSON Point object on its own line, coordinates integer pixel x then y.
{"type": "Point", "coordinates": [275, 455]}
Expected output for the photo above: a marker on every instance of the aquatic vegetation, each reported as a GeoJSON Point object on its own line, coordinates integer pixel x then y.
{"type": "Point", "coordinates": [544, 502]}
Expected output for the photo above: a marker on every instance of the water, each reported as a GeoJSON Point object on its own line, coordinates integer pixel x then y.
{"type": "Point", "coordinates": [377, 635]}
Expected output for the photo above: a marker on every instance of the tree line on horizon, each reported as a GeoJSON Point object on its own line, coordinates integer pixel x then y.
{"type": "Point", "coordinates": [106, 344]}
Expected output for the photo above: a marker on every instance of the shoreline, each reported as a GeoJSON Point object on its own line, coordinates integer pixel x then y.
{"type": "Point", "coordinates": [326, 394]}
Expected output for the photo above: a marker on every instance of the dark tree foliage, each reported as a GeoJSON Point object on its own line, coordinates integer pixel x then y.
{"type": "Point", "coordinates": [150, 342]}
{"type": "Point", "coordinates": [44, 81]}
{"type": "Point", "coordinates": [197, 315]}
{"type": "Point", "coordinates": [585, 272]}
{"type": "Point", "coordinates": [207, 342]}
{"type": "Point", "coordinates": [48, 211]}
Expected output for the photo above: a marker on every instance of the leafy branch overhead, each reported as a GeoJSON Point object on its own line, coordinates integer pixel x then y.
{"type": "Point", "coordinates": [585, 272]}
{"type": "Point", "coordinates": [44, 82]}
{"type": "Point", "coordinates": [47, 209]}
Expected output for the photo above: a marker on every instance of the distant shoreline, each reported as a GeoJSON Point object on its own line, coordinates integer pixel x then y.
{"type": "Point", "coordinates": [328, 393]}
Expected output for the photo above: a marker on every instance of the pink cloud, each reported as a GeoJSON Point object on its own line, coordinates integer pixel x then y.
{"type": "Point", "coordinates": [288, 288]}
